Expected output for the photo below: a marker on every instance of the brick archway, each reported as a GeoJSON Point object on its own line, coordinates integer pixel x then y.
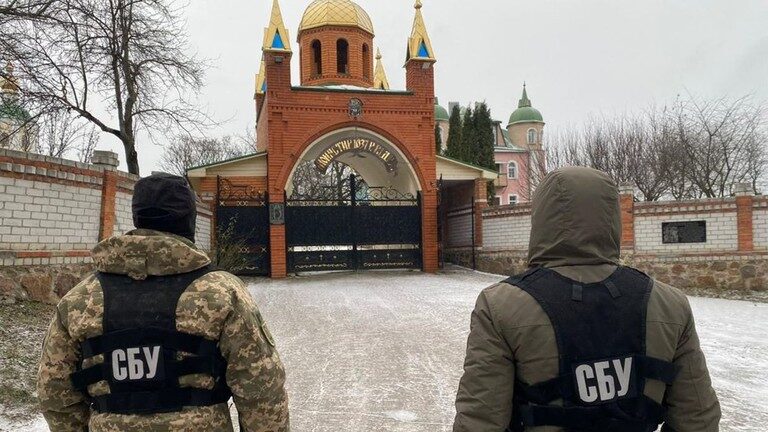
{"type": "Point", "coordinates": [296, 157]}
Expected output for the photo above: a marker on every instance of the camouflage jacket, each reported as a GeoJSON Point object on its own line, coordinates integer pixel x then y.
{"type": "Point", "coordinates": [216, 306]}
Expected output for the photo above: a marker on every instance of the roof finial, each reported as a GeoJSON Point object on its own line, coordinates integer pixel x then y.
{"type": "Point", "coordinates": [8, 83]}
{"type": "Point", "coordinates": [261, 79]}
{"type": "Point", "coordinates": [380, 80]}
{"type": "Point", "coordinates": [524, 101]}
{"type": "Point", "coordinates": [419, 44]}
{"type": "Point", "coordinates": [276, 35]}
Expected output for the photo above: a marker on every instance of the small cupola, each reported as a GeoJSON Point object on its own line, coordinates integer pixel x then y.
{"type": "Point", "coordinates": [336, 41]}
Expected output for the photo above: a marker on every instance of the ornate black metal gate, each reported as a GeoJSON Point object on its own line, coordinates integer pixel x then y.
{"type": "Point", "coordinates": [242, 219]}
{"type": "Point", "coordinates": [353, 227]}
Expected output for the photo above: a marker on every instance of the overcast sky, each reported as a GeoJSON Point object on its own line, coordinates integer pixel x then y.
{"type": "Point", "coordinates": [579, 57]}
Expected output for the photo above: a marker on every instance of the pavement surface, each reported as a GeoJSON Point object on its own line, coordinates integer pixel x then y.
{"type": "Point", "coordinates": [383, 351]}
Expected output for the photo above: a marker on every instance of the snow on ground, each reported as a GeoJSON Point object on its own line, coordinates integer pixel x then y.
{"type": "Point", "coordinates": [383, 351]}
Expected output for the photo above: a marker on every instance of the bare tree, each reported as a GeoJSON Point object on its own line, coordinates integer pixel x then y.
{"type": "Point", "coordinates": [693, 148]}
{"type": "Point", "coordinates": [24, 9]}
{"type": "Point", "coordinates": [186, 152]}
{"type": "Point", "coordinates": [60, 134]}
{"type": "Point", "coordinates": [131, 54]}
{"type": "Point", "coordinates": [309, 183]}
{"type": "Point", "coordinates": [724, 141]}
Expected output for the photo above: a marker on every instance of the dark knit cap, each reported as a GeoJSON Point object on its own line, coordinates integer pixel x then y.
{"type": "Point", "coordinates": [165, 202]}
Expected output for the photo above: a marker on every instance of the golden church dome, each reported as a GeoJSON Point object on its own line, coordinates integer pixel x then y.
{"type": "Point", "coordinates": [335, 13]}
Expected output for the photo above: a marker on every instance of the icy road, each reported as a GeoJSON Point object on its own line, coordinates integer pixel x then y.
{"type": "Point", "coordinates": [384, 351]}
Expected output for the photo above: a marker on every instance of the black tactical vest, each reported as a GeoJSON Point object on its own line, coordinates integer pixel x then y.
{"type": "Point", "coordinates": [600, 330]}
{"type": "Point", "coordinates": [144, 355]}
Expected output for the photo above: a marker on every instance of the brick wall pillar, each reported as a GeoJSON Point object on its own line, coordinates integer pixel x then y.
{"type": "Point", "coordinates": [429, 231]}
{"type": "Point", "coordinates": [110, 162]}
{"type": "Point", "coordinates": [481, 202]}
{"type": "Point", "coordinates": [627, 203]}
{"type": "Point", "coordinates": [744, 205]}
{"type": "Point", "coordinates": [278, 252]}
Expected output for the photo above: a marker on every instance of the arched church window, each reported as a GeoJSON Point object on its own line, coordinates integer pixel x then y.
{"type": "Point", "coordinates": [366, 62]}
{"type": "Point", "coordinates": [342, 56]}
{"type": "Point", "coordinates": [317, 57]}
{"type": "Point", "coordinates": [532, 136]}
{"type": "Point", "coordinates": [512, 170]}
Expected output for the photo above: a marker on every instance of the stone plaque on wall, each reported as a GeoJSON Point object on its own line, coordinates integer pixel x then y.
{"type": "Point", "coordinates": [684, 232]}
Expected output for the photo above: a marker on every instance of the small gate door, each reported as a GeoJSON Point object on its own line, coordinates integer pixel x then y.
{"type": "Point", "coordinates": [242, 219]}
{"type": "Point", "coordinates": [354, 227]}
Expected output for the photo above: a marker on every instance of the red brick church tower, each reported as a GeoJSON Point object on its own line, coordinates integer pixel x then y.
{"type": "Point", "coordinates": [336, 41]}
{"type": "Point", "coordinates": [382, 216]}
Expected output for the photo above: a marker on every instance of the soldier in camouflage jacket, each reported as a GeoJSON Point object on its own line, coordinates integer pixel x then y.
{"type": "Point", "coordinates": [217, 306]}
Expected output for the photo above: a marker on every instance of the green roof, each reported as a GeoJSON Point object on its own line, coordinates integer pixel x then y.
{"type": "Point", "coordinates": [526, 115]}
{"type": "Point", "coordinates": [441, 113]}
{"type": "Point", "coordinates": [525, 112]}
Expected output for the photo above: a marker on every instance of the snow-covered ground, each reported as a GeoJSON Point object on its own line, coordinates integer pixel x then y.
{"type": "Point", "coordinates": [383, 351]}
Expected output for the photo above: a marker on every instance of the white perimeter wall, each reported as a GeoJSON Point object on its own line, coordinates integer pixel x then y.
{"type": "Point", "coordinates": [37, 215]}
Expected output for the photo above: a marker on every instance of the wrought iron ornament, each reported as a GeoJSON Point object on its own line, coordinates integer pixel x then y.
{"type": "Point", "coordinates": [353, 226]}
{"type": "Point", "coordinates": [239, 195]}
{"type": "Point", "coordinates": [242, 219]}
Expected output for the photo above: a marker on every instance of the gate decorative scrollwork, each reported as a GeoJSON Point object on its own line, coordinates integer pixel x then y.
{"type": "Point", "coordinates": [242, 219]}
{"type": "Point", "coordinates": [231, 195]}
{"type": "Point", "coordinates": [353, 226]}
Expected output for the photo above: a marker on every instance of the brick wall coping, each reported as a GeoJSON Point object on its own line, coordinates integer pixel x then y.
{"type": "Point", "coordinates": [59, 175]}
{"type": "Point", "coordinates": [724, 205]}
{"type": "Point", "coordinates": [761, 202]}
{"type": "Point", "coordinates": [38, 160]}
{"type": "Point", "coordinates": [5, 254]}
{"type": "Point", "coordinates": [694, 256]}
{"type": "Point", "coordinates": [128, 177]}
{"type": "Point", "coordinates": [523, 209]}
{"type": "Point", "coordinates": [49, 159]}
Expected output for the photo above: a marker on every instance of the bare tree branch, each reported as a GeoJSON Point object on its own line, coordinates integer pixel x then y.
{"type": "Point", "coordinates": [130, 54]}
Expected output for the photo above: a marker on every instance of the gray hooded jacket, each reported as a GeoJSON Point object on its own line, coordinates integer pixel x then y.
{"type": "Point", "coordinates": [576, 229]}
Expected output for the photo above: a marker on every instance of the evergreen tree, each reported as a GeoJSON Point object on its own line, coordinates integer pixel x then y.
{"type": "Point", "coordinates": [484, 139]}
{"type": "Point", "coordinates": [483, 151]}
{"type": "Point", "coordinates": [438, 140]}
{"type": "Point", "coordinates": [468, 137]}
{"type": "Point", "coordinates": [453, 147]}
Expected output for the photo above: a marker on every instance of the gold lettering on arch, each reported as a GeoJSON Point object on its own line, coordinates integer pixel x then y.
{"type": "Point", "coordinates": [356, 146]}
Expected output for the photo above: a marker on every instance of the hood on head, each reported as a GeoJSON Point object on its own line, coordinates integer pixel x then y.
{"type": "Point", "coordinates": [142, 253]}
{"type": "Point", "coordinates": [576, 219]}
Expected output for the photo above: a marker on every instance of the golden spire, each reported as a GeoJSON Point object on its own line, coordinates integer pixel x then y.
{"type": "Point", "coordinates": [276, 35]}
{"type": "Point", "coordinates": [419, 44]}
{"type": "Point", "coordinates": [261, 79]}
{"type": "Point", "coordinates": [380, 80]}
{"type": "Point", "coordinates": [8, 83]}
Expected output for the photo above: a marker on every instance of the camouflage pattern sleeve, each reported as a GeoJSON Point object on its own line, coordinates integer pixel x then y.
{"type": "Point", "coordinates": [255, 373]}
{"type": "Point", "coordinates": [63, 407]}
